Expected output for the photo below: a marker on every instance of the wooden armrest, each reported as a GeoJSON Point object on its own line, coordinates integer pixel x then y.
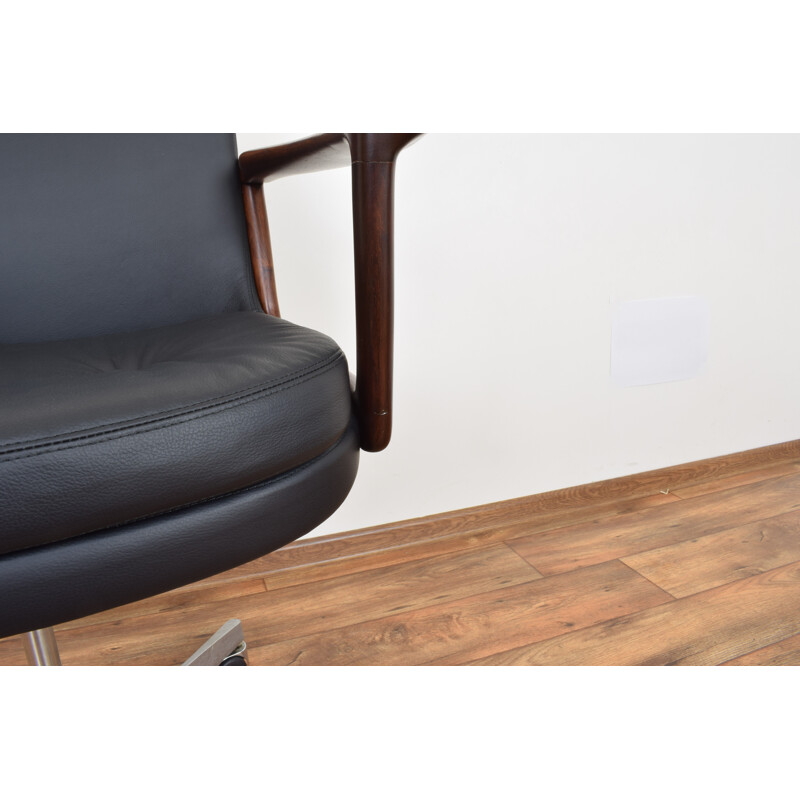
{"type": "Point", "coordinates": [326, 151]}
{"type": "Point", "coordinates": [372, 158]}
{"type": "Point", "coordinates": [317, 153]}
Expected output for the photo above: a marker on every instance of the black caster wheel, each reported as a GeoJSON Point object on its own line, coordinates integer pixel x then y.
{"type": "Point", "coordinates": [234, 661]}
{"type": "Point", "coordinates": [236, 658]}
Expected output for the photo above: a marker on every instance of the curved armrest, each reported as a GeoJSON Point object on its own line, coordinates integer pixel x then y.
{"type": "Point", "coordinates": [372, 158]}
{"type": "Point", "coordinates": [326, 151]}
{"type": "Point", "coordinates": [318, 153]}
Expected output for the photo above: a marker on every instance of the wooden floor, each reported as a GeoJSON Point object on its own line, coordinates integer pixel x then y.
{"type": "Point", "coordinates": [697, 564]}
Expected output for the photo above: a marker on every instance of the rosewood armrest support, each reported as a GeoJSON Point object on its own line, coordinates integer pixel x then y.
{"type": "Point", "coordinates": [372, 158]}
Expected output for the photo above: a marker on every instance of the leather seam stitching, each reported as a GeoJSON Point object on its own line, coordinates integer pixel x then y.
{"type": "Point", "coordinates": [187, 416]}
{"type": "Point", "coordinates": [148, 418]}
{"type": "Point", "coordinates": [252, 487]}
{"type": "Point", "coordinates": [275, 479]}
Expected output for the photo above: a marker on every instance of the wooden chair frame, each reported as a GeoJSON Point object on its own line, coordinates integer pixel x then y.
{"type": "Point", "coordinates": [372, 157]}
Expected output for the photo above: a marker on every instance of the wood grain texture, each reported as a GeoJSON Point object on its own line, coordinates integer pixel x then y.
{"type": "Point", "coordinates": [479, 624]}
{"type": "Point", "coordinates": [185, 597]}
{"type": "Point", "coordinates": [739, 479]}
{"type": "Point", "coordinates": [373, 233]}
{"type": "Point", "coordinates": [289, 612]}
{"type": "Point", "coordinates": [701, 630]}
{"type": "Point", "coordinates": [321, 152]}
{"type": "Point", "coordinates": [255, 211]}
{"type": "Point", "coordinates": [372, 157]}
{"type": "Point", "coordinates": [541, 512]}
{"type": "Point", "coordinates": [785, 653]}
{"type": "Point", "coordinates": [162, 631]}
{"type": "Point", "coordinates": [12, 652]}
{"type": "Point", "coordinates": [580, 545]}
{"type": "Point", "coordinates": [74, 647]}
{"type": "Point", "coordinates": [698, 564]}
{"type": "Point", "coordinates": [454, 592]}
{"type": "Point", "coordinates": [327, 557]}
{"type": "Point", "coordinates": [314, 154]}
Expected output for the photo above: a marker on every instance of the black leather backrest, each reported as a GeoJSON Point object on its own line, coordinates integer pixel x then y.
{"type": "Point", "coordinates": [109, 233]}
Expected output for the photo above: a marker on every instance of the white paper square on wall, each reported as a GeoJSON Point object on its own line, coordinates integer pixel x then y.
{"type": "Point", "coordinates": [659, 340]}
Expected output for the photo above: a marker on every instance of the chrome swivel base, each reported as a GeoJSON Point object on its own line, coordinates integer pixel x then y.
{"type": "Point", "coordinates": [41, 648]}
{"type": "Point", "coordinates": [224, 648]}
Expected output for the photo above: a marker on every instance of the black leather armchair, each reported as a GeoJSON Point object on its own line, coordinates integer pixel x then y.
{"type": "Point", "coordinates": [159, 422]}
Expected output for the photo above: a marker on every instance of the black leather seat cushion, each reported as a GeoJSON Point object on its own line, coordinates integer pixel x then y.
{"type": "Point", "coordinates": [97, 432]}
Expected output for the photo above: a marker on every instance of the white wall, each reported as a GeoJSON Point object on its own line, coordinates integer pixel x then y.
{"type": "Point", "coordinates": [510, 250]}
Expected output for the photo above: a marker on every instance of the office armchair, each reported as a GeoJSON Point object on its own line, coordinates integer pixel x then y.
{"type": "Point", "coordinates": [159, 421]}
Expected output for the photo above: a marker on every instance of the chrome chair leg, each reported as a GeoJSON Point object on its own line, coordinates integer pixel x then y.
{"type": "Point", "coordinates": [41, 648]}
{"type": "Point", "coordinates": [226, 643]}
{"type": "Point", "coordinates": [226, 647]}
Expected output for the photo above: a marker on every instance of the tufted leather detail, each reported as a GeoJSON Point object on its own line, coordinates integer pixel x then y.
{"type": "Point", "coordinates": [103, 431]}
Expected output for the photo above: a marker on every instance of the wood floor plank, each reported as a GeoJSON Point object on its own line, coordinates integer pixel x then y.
{"type": "Point", "coordinates": [184, 597]}
{"type": "Point", "coordinates": [282, 569]}
{"type": "Point", "coordinates": [355, 598]}
{"type": "Point", "coordinates": [456, 542]}
{"type": "Point", "coordinates": [785, 653]}
{"type": "Point", "coordinates": [12, 652]}
{"type": "Point", "coordinates": [698, 564]}
{"type": "Point", "coordinates": [288, 612]}
{"type": "Point", "coordinates": [164, 638]}
{"type": "Point", "coordinates": [73, 648]}
{"type": "Point", "coordinates": [468, 521]}
{"type": "Point", "coordinates": [479, 624]}
{"type": "Point", "coordinates": [446, 589]}
{"type": "Point", "coordinates": [576, 546]}
{"type": "Point", "coordinates": [550, 507]}
{"type": "Point", "coordinates": [739, 479]}
{"type": "Point", "coordinates": [704, 629]}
